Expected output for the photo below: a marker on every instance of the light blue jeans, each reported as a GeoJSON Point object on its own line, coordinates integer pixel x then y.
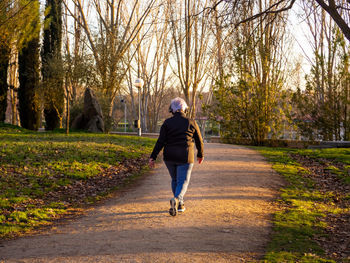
{"type": "Point", "coordinates": [180, 178]}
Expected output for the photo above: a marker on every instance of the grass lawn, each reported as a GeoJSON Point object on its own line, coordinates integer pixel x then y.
{"type": "Point", "coordinates": [309, 204]}
{"type": "Point", "coordinates": [44, 176]}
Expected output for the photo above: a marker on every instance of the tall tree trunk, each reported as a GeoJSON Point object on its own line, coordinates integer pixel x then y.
{"type": "Point", "coordinates": [13, 99]}
{"type": "Point", "coordinates": [13, 86]}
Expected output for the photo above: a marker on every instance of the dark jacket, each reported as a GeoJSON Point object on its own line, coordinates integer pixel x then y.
{"type": "Point", "coordinates": [178, 135]}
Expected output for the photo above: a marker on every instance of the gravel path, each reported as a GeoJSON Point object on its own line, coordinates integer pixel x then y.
{"type": "Point", "coordinates": [227, 218]}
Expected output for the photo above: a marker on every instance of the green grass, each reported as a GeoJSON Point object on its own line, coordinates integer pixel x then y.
{"type": "Point", "coordinates": [337, 154]}
{"type": "Point", "coordinates": [34, 165]}
{"type": "Point", "coordinates": [296, 226]}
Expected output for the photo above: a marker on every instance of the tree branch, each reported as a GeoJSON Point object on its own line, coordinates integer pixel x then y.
{"type": "Point", "coordinates": [268, 11]}
{"type": "Point", "coordinates": [331, 9]}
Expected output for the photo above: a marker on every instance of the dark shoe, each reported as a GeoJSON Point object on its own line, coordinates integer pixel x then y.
{"type": "Point", "coordinates": [174, 203]}
{"type": "Point", "coordinates": [181, 208]}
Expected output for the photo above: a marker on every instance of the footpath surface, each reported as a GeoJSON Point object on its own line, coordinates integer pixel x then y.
{"type": "Point", "coordinates": [228, 218]}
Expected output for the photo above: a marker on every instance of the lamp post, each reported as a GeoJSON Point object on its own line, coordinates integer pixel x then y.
{"type": "Point", "coordinates": [139, 84]}
{"type": "Point", "coordinates": [124, 101]}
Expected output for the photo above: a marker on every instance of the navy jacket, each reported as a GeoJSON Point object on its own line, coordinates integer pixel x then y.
{"type": "Point", "coordinates": [178, 135]}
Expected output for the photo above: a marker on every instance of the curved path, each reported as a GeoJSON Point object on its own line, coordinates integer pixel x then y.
{"type": "Point", "coordinates": [227, 218]}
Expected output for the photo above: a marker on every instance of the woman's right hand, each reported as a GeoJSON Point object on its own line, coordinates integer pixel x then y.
{"type": "Point", "coordinates": [200, 160]}
{"type": "Point", "coordinates": [151, 163]}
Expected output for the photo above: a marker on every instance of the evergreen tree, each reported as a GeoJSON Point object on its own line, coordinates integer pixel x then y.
{"type": "Point", "coordinates": [29, 106]}
{"type": "Point", "coordinates": [4, 63]}
{"type": "Point", "coordinates": [52, 65]}
{"type": "Point", "coordinates": [4, 59]}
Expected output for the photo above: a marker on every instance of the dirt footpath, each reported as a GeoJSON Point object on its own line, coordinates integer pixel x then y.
{"type": "Point", "coordinates": [227, 218]}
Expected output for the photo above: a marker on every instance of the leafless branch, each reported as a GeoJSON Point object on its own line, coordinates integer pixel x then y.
{"type": "Point", "coordinates": [268, 11]}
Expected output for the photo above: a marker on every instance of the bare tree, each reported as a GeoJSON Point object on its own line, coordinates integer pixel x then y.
{"type": "Point", "coordinates": [326, 98]}
{"type": "Point", "coordinates": [190, 33]}
{"type": "Point", "coordinates": [116, 30]}
{"type": "Point", "coordinates": [334, 8]}
{"type": "Point", "coordinates": [153, 64]}
{"type": "Point", "coordinates": [249, 99]}
{"type": "Point", "coordinates": [78, 64]}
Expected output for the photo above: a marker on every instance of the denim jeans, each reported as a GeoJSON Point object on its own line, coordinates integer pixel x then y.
{"type": "Point", "coordinates": [180, 178]}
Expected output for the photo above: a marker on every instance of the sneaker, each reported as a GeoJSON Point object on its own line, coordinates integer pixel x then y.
{"type": "Point", "coordinates": [181, 208]}
{"type": "Point", "coordinates": [174, 203]}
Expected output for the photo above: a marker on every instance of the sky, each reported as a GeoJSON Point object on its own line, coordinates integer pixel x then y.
{"type": "Point", "coordinates": [299, 32]}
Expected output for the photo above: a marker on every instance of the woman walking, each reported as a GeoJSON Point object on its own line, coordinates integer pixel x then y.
{"type": "Point", "coordinates": [178, 135]}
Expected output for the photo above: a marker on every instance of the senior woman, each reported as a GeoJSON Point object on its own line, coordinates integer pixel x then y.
{"type": "Point", "coordinates": [178, 135]}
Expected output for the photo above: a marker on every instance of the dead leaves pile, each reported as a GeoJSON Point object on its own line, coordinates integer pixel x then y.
{"type": "Point", "coordinates": [336, 243]}
{"type": "Point", "coordinates": [81, 191]}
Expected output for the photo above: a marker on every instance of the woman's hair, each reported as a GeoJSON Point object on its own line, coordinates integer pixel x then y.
{"type": "Point", "coordinates": [178, 104]}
